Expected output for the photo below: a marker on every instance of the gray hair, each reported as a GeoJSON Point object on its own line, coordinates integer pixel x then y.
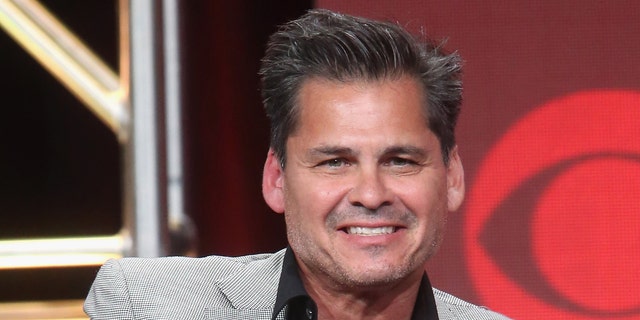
{"type": "Point", "coordinates": [340, 47]}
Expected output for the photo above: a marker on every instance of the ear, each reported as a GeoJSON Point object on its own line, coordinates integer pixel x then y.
{"type": "Point", "coordinates": [272, 183]}
{"type": "Point", "coordinates": [455, 181]}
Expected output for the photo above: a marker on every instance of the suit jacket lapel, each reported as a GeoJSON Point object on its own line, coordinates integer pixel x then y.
{"type": "Point", "coordinates": [255, 285]}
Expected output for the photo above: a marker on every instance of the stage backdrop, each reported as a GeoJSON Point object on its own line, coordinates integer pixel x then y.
{"type": "Point", "coordinates": [550, 139]}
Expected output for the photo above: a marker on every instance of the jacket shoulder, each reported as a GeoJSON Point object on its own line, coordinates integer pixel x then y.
{"type": "Point", "coordinates": [452, 307]}
{"type": "Point", "coordinates": [170, 287]}
{"type": "Point", "coordinates": [182, 268]}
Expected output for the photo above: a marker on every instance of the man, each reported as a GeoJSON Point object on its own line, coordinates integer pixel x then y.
{"type": "Point", "coordinates": [364, 166]}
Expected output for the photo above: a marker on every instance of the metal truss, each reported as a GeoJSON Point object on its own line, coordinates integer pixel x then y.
{"type": "Point", "coordinates": [141, 106]}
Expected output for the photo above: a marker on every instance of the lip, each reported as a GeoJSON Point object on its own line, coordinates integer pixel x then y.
{"type": "Point", "coordinates": [365, 241]}
{"type": "Point", "coordinates": [369, 224]}
{"type": "Point", "coordinates": [359, 240]}
{"type": "Point", "coordinates": [363, 231]}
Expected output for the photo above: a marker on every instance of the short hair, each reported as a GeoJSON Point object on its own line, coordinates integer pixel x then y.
{"type": "Point", "coordinates": [339, 47]}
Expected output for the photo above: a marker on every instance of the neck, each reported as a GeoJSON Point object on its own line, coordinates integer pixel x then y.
{"type": "Point", "coordinates": [394, 301]}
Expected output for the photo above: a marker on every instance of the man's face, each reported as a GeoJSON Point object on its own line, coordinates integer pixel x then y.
{"type": "Point", "coordinates": [365, 191]}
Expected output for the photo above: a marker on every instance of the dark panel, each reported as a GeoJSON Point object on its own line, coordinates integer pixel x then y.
{"type": "Point", "coordinates": [227, 131]}
{"type": "Point", "coordinates": [59, 165]}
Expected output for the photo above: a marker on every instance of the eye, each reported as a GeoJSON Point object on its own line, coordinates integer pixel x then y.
{"type": "Point", "coordinates": [399, 162]}
{"type": "Point", "coordinates": [334, 163]}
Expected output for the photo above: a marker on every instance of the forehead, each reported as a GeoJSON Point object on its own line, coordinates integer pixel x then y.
{"type": "Point", "coordinates": [374, 115]}
{"type": "Point", "coordinates": [400, 99]}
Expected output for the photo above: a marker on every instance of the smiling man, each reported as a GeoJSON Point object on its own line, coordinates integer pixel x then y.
{"type": "Point", "coordinates": [364, 166]}
{"type": "Point", "coordinates": [365, 193]}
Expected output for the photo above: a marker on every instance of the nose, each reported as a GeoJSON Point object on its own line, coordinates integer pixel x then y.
{"type": "Point", "coordinates": [370, 190]}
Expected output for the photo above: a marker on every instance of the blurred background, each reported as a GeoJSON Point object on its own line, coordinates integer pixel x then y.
{"type": "Point", "coordinates": [149, 138]}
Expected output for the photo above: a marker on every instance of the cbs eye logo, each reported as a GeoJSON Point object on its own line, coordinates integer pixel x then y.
{"type": "Point", "coordinates": [552, 224]}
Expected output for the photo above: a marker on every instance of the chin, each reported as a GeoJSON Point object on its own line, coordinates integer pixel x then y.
{"type": "Point", "coordinates": [376, 276]}
{"type": "Point", "coordinates": [373, 281]}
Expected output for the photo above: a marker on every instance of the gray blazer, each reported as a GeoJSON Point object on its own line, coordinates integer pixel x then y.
{"type": "Point", "coordinates": [213, 287]}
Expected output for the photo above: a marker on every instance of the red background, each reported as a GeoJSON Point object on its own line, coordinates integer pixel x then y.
{"type": "Point", "coordinates": [548, 135]}
{"type": "Point", "coordinates": [549, 138]}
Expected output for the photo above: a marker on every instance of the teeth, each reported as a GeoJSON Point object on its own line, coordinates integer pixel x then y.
{"type": "Point", "coordinates": [362, 231]}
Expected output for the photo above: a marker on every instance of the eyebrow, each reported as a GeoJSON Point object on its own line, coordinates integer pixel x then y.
{"type": "Point", "coordinates": [345, 151]}
{"type": "Point", "coordinates": [405, 149]}
{"type": "Point", "coordinates": [331, 150]}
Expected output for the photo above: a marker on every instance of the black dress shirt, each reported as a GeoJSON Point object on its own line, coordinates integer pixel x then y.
{"type": "Point", "coordinates": [300, 306]}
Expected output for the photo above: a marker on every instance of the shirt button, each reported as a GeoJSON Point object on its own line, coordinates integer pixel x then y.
{"type": "Point", "coordinates": [309, 314]}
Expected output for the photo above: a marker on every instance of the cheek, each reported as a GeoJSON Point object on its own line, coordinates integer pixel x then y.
{"type": "Point", "coordinates": [312, 197]}
{"type": "Point", "coordinates": [429, 204]}
{"type": "Point", "coordinates": [317, 188]}
{"type": "Point", "coordinates": [424, 197]}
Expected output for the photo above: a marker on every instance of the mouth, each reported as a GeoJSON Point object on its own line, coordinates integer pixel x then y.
{"type": "Point", "coordinates": [367, 231]}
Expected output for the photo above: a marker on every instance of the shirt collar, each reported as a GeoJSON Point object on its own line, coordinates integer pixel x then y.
{"type": "Point", "coordinates": [291, 292]}
{"type": "Point", "coordinates": [292, 295]}
{"type": "Point", "coordinates": [425, 307]}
